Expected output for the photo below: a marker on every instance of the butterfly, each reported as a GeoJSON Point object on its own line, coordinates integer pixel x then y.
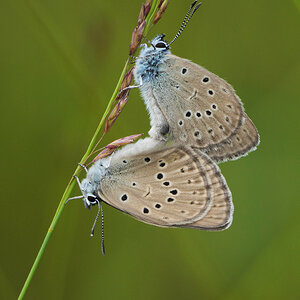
{"type": "Point", "coordinates": [194, 106]}
{"type": "Point", "coordinates": [168, 186]}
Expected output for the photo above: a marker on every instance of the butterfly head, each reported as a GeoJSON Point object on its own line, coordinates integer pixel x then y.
{"type": "Point", "coordinates": [89, 185]}
{"type": "Point", "coordinates": [157, 48]}
{"type": "Point", "coordinates": [159, 44]}
{"type": "Point", "coordinates": [88, 192]}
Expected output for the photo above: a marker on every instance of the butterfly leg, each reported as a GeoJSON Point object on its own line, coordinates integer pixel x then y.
{"type": "Point", "coordinates": [131, 87]}
{"type": "Point", "coordinates": [132, 59]}
{"type": "Point", "coordinates": [83, 167]}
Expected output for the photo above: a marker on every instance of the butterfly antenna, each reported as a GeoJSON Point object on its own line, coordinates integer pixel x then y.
{"type": "Point", "coordinates": [100, 210]}
{"type": "Point", "coordinates": [102, 230]}
{"type": "Point", "coordinates": [186, 20]}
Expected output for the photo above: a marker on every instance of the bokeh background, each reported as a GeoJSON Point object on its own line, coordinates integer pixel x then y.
{"type": "Point", "coordinates": [59, 63]}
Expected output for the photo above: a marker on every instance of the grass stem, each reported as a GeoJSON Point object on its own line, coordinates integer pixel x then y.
{"type": "Point", "coordinates": [94, 141]}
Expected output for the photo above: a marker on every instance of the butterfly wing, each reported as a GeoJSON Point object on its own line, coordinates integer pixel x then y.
{"type": "Point", "coordinates": [219, 216]}
{"type": "Point", "coordinates": [170, 187]}
{"type": "Point", "coordinates": [243, 141]}
{"type": "Point", "coordinates": [201, 108]}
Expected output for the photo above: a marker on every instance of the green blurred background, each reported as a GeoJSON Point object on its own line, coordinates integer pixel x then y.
{"type": "Point", "coordinates": [60, 61]}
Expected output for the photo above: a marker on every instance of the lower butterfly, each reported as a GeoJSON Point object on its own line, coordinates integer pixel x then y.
{"type": "Point", "coordinates": [164, 186]}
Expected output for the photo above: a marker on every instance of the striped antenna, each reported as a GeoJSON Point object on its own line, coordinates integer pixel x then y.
{"type": "Point", "coordinates": [100, 210]}
{"type": "Point", "coordinates": [186, 20]}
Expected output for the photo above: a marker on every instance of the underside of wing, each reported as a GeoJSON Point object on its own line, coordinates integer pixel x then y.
{"type": "Point", "coordinates": [163, 188]}
{"type": "Point", "coordinates": [172, 187]}
{"type": "Point", "coordinates": [203, 110]}
{"type": "Point", "coordinates": [243, 141]}
{"type": "Point", "coordinates": [219, 217]}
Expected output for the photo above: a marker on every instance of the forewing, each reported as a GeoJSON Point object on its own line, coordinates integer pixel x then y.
{"type": "Point", "coordinates": [203, 110]}
{"type": "Point", "coordinates": [200, 99]}
{"type": "Point", "coordinates": [165, 188]}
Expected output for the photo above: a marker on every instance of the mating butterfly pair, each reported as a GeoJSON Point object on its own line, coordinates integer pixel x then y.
{"type": "Point", "coordinates": [171, 179]}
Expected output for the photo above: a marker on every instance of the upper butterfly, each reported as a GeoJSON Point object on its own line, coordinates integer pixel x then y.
{"type": "Point", "coordinates": [191, 104]}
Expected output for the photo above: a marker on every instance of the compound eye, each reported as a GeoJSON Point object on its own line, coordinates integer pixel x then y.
{"type": "Point", "coordinates": [161, 45]}
{"type": "Point", "coordinates": [91, 199]}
